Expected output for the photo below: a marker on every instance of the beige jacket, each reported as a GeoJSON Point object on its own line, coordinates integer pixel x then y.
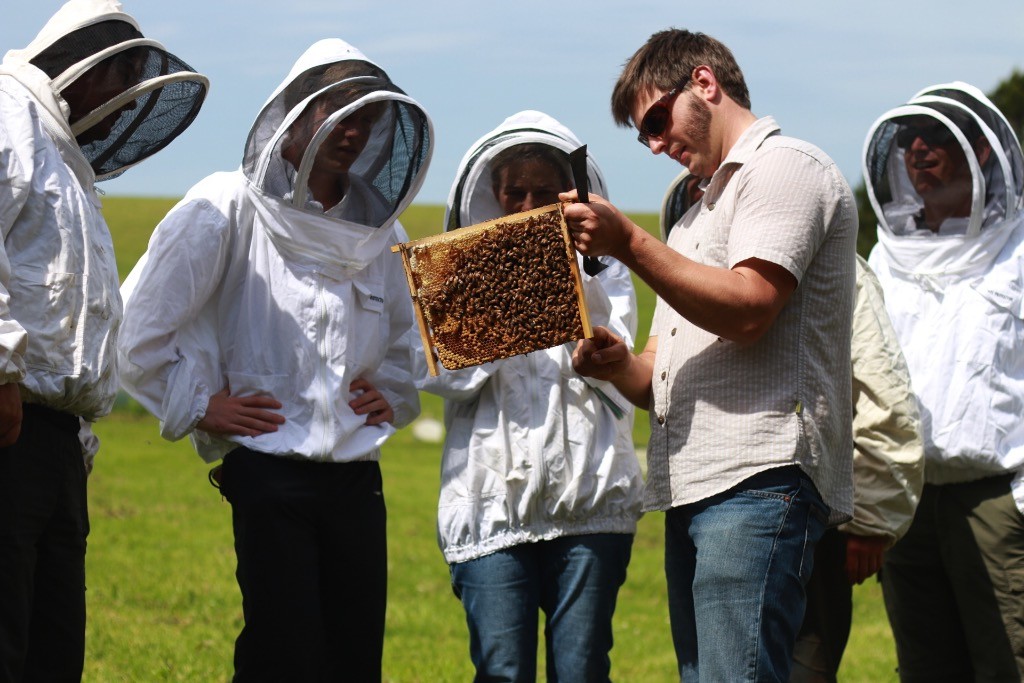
{"type": "Point", "coordinates": [888, 459]}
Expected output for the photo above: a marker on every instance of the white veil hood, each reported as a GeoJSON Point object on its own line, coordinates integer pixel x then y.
{"type": "Point", "coordinates": [472, 200]}
{"type": "Point", "coordinates": [391, 167]}
{"type": "Point", "coordinates": [964, 116]}
{"type": "Point", "coordinates": [72, 16]}
{"type": "Point", "coordinates": [158, 97]}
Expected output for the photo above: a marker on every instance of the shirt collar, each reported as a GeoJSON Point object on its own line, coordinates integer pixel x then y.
{"type": "Point", "coordinates": [750, 141]}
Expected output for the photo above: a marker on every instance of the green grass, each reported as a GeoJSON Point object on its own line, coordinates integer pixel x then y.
{"type": "Point", "coordinates": [162, 598]}
{"type": "Point", "coordinates": [131, 221]}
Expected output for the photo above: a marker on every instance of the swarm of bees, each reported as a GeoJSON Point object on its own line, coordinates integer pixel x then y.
{"type": "Point", "coordinates": [496, 290]}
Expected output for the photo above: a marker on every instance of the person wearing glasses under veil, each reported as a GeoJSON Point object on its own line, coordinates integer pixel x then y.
{"type": "Point", "coordinates": [540, 484]}
{"type": "Point", "coordinates": [945, 175]}
{"type": "Point", "coordinates": [86, 100]}
{"type": "Point", "coordinates": [746, 373]}
{"type": "Point", "coordinates": [270, 322]}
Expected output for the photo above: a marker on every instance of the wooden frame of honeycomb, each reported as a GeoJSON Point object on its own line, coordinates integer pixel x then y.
{"type": "Point", "coordinates": [496, 289]}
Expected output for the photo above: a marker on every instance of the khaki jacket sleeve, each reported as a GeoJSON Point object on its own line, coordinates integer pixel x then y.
{"type": "Point", "coordinates": [888, 459]}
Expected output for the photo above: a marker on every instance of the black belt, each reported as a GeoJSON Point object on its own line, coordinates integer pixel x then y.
{"type": "Point", "coordinates": [60, 420]}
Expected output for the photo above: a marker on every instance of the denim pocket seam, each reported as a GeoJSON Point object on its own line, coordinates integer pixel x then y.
{"type": "Point", "coordinates": [782, 497]}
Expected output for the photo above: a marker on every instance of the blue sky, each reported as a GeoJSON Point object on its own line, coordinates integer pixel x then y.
{"type": "Point", "coordinates": [824, 70]}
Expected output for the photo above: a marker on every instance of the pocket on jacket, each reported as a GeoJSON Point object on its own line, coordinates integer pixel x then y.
{"type": "Point", "coordinates": [369, 327]}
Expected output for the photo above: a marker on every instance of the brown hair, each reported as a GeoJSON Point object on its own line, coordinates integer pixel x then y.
{"type": "Point", "coordinates": [665, 59]}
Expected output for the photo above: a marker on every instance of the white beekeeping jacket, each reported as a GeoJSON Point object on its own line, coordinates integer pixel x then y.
{"type": "Point", "coordinates": [59, 304]}
{"type": "Point", "coordinates": [533, 451]}
{"type": "Point", "coordinates": [249, 284]}
{"type": "Point", "coordinates": [955, 289]}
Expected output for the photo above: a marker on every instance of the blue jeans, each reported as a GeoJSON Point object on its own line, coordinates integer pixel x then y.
{"type": "Point", "coordinates": [574, 579]}
{"type": "Point", "coordinates": [736, 565]}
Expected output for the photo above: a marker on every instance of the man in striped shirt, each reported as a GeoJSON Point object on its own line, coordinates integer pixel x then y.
{"type": "Point", "coordinates": [747, 371]}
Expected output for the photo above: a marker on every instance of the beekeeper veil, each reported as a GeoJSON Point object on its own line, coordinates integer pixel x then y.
{"type": "Point", "coordinates": [947, 162]}
{"type": "Point", "coordinates": [338, 128]}
{"type": "Point", "coordinates": [528, 134]}
{"type": "Point", "coordinates": [122, 96]}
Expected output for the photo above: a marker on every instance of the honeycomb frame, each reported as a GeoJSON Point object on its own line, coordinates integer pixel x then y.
{"type": "Point", "coordinates": [496, 289]}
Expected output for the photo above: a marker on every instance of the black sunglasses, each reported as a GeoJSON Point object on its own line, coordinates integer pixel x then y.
{"type": "Point", "coordinates": [934, 136]}
{"type": "Point", "coordinates": [655, 119]}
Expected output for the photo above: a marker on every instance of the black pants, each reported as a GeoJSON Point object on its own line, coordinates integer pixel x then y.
{"type": "Point", "coordinates": [310, 540]}
{"type": "Point", "coordinates": [44, 521]}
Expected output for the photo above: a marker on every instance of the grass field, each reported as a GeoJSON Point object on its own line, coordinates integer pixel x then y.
{"type": "Point", "coordinates": [162, 599]}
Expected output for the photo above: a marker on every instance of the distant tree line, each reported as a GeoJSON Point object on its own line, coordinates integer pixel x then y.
{"type": "Point", "coordinates": [1008, 96]}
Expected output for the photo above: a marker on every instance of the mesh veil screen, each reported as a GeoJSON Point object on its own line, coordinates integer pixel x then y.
{"type": "Point", "coordinates": [409, 148]}
{"type": "Point", "coordinates": [85, 42]}
{"type": "Point", "coordinates": [154, 119]}
{"type": "Point", "coordinates": [1005, 134]}
{"type": "Point", "coordinates": [392, 158]}
{"type": "Point", "coordinates": [141, 128]}
{"type": "Point", "coordinates": [878, 155]}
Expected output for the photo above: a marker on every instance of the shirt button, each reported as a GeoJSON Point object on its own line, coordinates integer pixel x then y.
{"type": "Point", "coordinates": [673, 333]}
{"type": "Point", "coordinates": [664, 375]}
{"type": "Point", "coordinates": [661, 419]}
{"type": "Point", "coordinates": [711, 206]}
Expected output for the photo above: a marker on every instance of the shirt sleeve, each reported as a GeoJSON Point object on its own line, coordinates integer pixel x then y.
{"type": "Point", "coordinates": [888, 461]}
{"type": "Point", "coordinates": [785, 204]}
{"type": "Point", "coordinates": [611, 302]}
{"type": "Point", "coordinates": [394, 378]}
{"type": "Point", "coordinates": [17, 150]}
{"type": "Point", "coordinates": [161, 365]}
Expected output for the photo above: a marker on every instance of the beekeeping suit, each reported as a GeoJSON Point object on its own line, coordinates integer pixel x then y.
{"type": "Point", "coordinates": [945, 176]}
{"type": "Point", "coordinates": [59, 305]}
{"type": "Point", "coordinates": [251, 284]}
{"type": "Point", "coordinates": [534, 451]}
{"type": "Point", "coordinates": [87, 99]}
{"type": "Point", "coordinates": [955, 288]}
